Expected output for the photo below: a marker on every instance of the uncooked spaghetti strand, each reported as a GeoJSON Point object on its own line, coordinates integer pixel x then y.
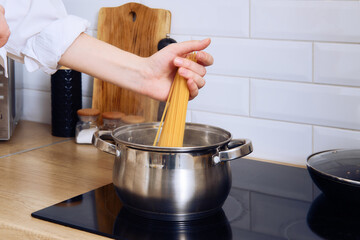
{"type": "Point", "coordinates": [181, 102]}
{"type": "Point", "coordinates": [184, 103]}
{"type": "Point", "coordinates": [163, 115]}
{"type": "Point", "coordinates": [172, 133]}
{"type": "Point", "coordinates": [164, 138]}
{"type": "Point", "coordinates": [182, 118]}
{"type": "Point", "coordinates": [173, 114]}
{"type": "Point", "coordinates": [168, 136]}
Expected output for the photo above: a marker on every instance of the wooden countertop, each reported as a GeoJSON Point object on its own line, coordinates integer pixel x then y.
{"type": "Point", "coordinates": [39, 170]}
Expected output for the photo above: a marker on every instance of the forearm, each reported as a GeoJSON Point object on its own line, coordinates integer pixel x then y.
{"type": "Point", "coordinates": [106, 62]}
{"type": "Point", "coordinates": [150, 76]}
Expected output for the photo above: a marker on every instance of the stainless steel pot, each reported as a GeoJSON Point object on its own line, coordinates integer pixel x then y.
{"type": "Point", "coordinates": [172, 183]}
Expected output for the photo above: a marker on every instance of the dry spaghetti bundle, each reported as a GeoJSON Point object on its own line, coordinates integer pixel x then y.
{"type": "Point", "coordinates": [173, 127]}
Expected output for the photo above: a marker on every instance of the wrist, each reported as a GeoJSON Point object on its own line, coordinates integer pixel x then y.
{"type": "Point", "coordinates": [146, 73]}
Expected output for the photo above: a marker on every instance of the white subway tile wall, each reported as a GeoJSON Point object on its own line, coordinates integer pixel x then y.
{"type": "Point", "coordinates": [37, 105]}
{"type": "Point", "coordinates": [207, 17]}
{"type": "Point", "coordinates": [332, 138]}
{"type": "Point", "coordinates": [337, 64]}
{"type": "Point", "coordinates": [37, 80]}
{"type": "Point", "coordinates": [306, 103]}
{"type": "Point", "coordinates": [285, 60]}
{"type": "Point", "coordinates": [286, 72]}
{"type": "Point", "coordinates": [89, 9]}
{"type": "Point", "coordinates": [335, 21]}
{"type": "Point", "coordinates": [222, 94]}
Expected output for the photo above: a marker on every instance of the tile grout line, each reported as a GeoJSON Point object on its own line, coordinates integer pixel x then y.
{"type": "Point", "coordinates": [268, 39]}
{"type": "Point", "coordinates": [35, 148]}
{"type": "Point", "coordinates": [313, 138]}
{"type": "Point", "coordinates": [313, 82]}
{"type": "Point", "coordinates": [277, 120]}
{"type": "Point", "coordinates": [250, 95]}
{"type": "Point", "coordinates": [284, 80]}
{"type": "Point", "coordinates": [250, 19]}
{"type": "Point", "coordinates": [313, 63]}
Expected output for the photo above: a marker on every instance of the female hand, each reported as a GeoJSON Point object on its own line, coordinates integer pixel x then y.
{"type": "Point", "coordinates": [4, 28]}
{"type": "Point", "coordinates": [164, 64]}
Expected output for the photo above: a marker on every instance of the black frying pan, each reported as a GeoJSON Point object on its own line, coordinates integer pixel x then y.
{"type": "Point", "coordinates": [337, 174]}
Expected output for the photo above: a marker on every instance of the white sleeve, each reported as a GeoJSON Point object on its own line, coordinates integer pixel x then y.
{"type": "Point", "coordinates": [41, 31]}
{"type": "Point", "coordinates": [44, 50]}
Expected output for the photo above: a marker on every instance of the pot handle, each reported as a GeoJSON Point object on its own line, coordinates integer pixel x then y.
{"type": "Point", "coordinates": [99, 142]}
{"type": "Point", "coordinates": [236, 148]}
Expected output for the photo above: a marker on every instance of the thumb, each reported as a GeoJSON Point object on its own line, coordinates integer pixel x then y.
{"type": "Point", "coordinates": [183, 48]}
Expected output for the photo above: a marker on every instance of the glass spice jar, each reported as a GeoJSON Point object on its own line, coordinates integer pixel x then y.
{"type": "Point", "coordinates": [112, 120]}
{"type": "Point", "coordinates": [87, 125]}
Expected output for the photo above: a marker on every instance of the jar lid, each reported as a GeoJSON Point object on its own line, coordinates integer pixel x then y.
{"type": "Point", "coordinates": [88, 112]}
{"type": "Point", "coordinates": [113, 115]}
{"type": "Point", "coordinates": [133, 119]}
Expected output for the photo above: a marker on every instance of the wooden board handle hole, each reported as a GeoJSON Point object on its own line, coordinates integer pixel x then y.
{"type": "Point", "coordinates": [133, 15]}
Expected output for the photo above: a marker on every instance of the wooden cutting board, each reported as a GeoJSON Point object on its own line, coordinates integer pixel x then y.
{"type": "Point", "coordinates": [137, 29]}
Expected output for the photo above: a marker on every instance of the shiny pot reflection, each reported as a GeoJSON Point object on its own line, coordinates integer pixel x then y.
{"type": "Point", "coordinates": [133, 227]}
{"type": "Point", "coordinates": [174, 184]}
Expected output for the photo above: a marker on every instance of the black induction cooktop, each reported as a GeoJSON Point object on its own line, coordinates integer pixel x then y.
{"type": "Point", "coordinates": [267, 202]}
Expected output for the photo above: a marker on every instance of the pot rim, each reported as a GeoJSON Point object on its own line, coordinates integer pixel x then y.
{"type": "Point", "coordinates": [328, 175]}
{"type": "Point", "coordinates": [154, 125]}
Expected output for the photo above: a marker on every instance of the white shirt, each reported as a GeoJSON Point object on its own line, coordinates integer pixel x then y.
{"type": "Point", "coordinates": [41, 31]}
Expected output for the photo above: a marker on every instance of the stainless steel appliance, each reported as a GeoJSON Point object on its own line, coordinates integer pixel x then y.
{"type": "Point", "coordinates": [8, 114]}
{"type": "Point", "coordinates": [180, 183]}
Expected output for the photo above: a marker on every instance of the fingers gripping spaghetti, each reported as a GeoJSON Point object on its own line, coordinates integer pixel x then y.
{"type": "Point", "coordinates": [172, 124]}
